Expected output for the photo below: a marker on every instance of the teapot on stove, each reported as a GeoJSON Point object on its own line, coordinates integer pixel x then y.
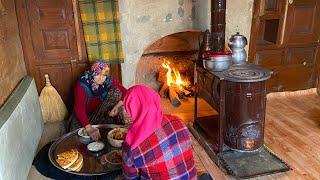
{"type": "Point", "coordinates": [237, 42]}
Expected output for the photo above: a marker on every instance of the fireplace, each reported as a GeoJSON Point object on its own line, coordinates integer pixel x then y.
{"type": "Point", "coordinates": [158, 31]}
{"type": "Point", "coordinates": [174, 54]}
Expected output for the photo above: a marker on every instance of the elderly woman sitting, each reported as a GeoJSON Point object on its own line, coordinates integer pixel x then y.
{"type": "Point", "coordinates": [97, 99]}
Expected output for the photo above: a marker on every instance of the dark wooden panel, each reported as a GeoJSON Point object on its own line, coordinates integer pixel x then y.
{"type": "Point", "coordinates": [297, 77]}
{"type": "Point", "coordinates": [46, 25]}
{"type": "Point", "coordinates": [57, 39]}
{"type": "Point", "coordinates": [78, 70]}
{"type": "Point", "coordinates": [304, 56]}
{"type": "Point", "coordinates": [12, 67]}
{"type": "Point", "coordinates": [115, 71]}
{"type": "Point", "coordinates": [271, 30]}
{"type": "Point", "coordinates": [60, 77]}
{"type": "Point", "coordinates": [269, 57]}
{"type": "Point", "coordinates": [302, 22]}
{"type": "Point", "coordinates": [273, 83]}
{"type": "Point", "coordinates": [271, 5]}
{"type": "Point", "coordinates": [52, 15]}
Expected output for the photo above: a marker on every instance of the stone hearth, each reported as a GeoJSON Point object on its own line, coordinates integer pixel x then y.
{"type": "Point", "coordinates": [143, 22]}
{"type": "Point", "coordinates": [179, 48]}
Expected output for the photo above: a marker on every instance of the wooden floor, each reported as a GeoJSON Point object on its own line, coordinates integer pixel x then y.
{"type": "Point", "coordinates": [292, 132]}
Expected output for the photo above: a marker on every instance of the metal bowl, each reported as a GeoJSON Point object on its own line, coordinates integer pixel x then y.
{"type": "Point", "coordinates": [84, 137]}
{"type": "Point", "coordinates": [217, 62]}
{"type": "Point", "coordinates": [108, 158]}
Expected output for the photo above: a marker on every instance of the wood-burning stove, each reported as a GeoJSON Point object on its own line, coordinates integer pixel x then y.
{"type": "Point", "coordinates": [233, 137]}
{"type": "Point", "coordinates": [239, 95]}
{"type": "Point", "coordinates": [245, 98]}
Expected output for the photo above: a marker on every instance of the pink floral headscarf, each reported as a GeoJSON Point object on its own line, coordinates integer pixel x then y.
{"type": "Point", "coordinates": [88, 82]}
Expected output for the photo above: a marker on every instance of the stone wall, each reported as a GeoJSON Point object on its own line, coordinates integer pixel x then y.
{"type": "Point", "coordinates": [202, 14]}
{"type": "Point", "coordinates": [12, 67]}
{"type": "Point", "coordinates": [143, 22]}
{"type": "Point", "coordinates": [238, 18]}
{"type": "Point", "coordinates": [21, 127]}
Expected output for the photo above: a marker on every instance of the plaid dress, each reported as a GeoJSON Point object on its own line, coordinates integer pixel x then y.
{"type": "Point", "coordinates": [165, 154]}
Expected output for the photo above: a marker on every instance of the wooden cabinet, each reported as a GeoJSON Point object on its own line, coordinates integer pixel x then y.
{"type": "Point", "coordinates": [302, 22]}
{"type": "Point", "coordinates": [285, 39]}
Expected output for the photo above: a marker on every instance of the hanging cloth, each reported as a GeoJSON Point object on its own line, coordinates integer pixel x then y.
{"type": "Point", "coordinates": [101, 25]}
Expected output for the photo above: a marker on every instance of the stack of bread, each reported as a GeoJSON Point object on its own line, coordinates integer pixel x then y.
{"type": "Point", "coordinates": [71, 160]}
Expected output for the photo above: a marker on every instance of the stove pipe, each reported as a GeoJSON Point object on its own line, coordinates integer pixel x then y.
{"type": "Point", "coordinates": [218, 24]}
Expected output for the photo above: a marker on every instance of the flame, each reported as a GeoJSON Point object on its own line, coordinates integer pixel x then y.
{"type": "Point", "coordinates": [173, 76]}
{"type": "Point", "coordinates": [250, 143]}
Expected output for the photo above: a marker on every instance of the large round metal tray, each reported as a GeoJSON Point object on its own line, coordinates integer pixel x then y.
{"type": "Point", "coordinates": [91, 162]}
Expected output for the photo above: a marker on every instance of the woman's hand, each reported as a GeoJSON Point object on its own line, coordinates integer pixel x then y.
{"type": "Point", "coordinates": [93, 132]}
{"type": "Point", "coordinates": [126, 117]}
{"type": "Point", "coordinates": [115, 109]}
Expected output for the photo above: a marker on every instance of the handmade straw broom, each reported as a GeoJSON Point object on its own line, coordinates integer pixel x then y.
{"type": "Point", "coordinates": [52, 107]}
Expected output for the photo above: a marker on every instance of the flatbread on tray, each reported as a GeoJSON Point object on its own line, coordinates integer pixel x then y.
{"type": "Point", "coordinates": [67, 158]}
{"type": "Point", "coordinates": [78, 164]}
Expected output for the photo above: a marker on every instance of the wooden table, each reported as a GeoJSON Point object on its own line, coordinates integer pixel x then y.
{"type": "Point", "coordinates": [92, 165]}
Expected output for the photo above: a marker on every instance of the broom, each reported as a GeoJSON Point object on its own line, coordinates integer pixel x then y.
{"type": "Point", "coordinates": [52, 107]}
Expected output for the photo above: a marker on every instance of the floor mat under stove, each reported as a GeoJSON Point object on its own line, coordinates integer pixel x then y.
{"type": "Point", "coordinates": [252, 164]}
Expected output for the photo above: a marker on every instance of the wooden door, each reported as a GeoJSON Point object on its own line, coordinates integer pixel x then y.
{"type": "Point", "coordinates": [52, 43]}
{"type": "Point", "coordinates": [303, 21]}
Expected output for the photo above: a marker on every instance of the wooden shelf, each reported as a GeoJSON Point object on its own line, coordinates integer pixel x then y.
{"type": "Point", "coordinates": [262, 42]}
{"type": "Point", "coordinates": [270, 16]}
{"type": "Point", "coordinates": [268, 33]}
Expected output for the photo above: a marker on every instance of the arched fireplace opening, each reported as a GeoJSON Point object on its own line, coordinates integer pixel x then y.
{"type": "Point", "coordinates": [180, 50]}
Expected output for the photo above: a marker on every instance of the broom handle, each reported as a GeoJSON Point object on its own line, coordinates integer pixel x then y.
{"type": "Point", "coordinates": [48, 83]}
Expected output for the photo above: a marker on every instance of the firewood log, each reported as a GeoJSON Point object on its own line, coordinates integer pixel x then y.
{"type": "Point", "coordinates": [185, 92]}
{"type": "Point", "coordinates": [175, 101]}
{"type": "Point", "coordinates": [164, 89]}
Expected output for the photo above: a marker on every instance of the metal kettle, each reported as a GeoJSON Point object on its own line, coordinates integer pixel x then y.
{"type": "Point", "coordinates": [236, 43]}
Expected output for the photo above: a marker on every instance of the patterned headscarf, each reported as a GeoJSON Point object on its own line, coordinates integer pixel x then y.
{"type": "Point", "coordinates": [93, 88]}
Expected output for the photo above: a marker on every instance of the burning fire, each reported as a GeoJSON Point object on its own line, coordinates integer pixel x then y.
{"type": "Point", "coordinates": [173, 76]}
{"type": "Point", "coordinates": [250, 143]}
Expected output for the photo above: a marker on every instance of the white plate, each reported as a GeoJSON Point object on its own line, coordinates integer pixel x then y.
{"type": "Point", "coordinates": [95, 146]}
